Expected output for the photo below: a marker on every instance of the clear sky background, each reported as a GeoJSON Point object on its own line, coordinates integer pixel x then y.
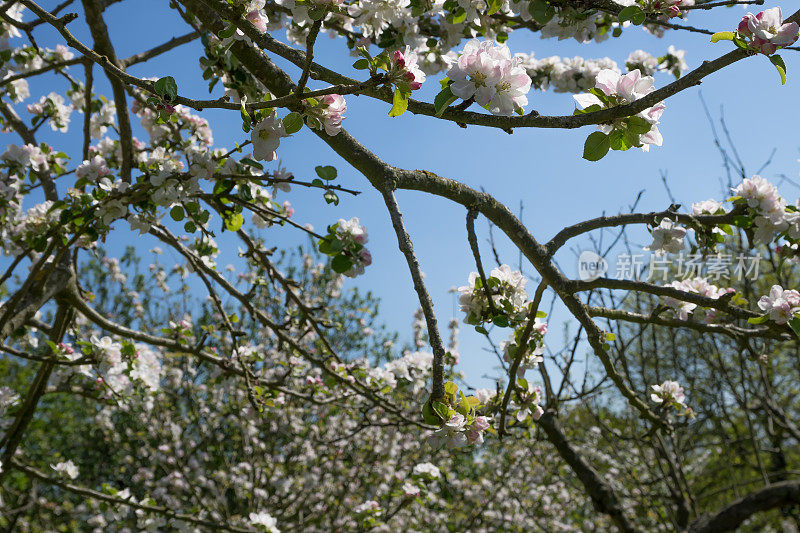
{"type": "Point", "coordinates": [538, 168]}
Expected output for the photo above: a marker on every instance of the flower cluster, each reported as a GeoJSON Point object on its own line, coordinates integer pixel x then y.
{"type": "Point", "coordinates": [771, 214]}
{"type": "Point", "coordinates": [697, 285]}
{"type": "Point", "coordinates": [532, 352]}
{"type": "Point", "coordinates": [673, 62]}
{"type": "Point", "coordinates": [508, 297]}
{"type": "Point", "coordinates": [667, 237]}
{"type": "Point", "coordinates": [326, 113]}
{"type": "Point", "coordinates": [669, 393]}
{"type": "Point", "coordinates": [487, 73]}
{"type": "Point", "coordinates": [255, 14]}
{"type": "Point", "coordinates": [263, 520]}
{"type": "Point", "coordinates": [528, 401]}
{"type": "Point", "coordinates": [767, 31]}
{"type": "Point", "coordinates": [458, 432]}
{"type": "Point", "coordinates": [66, 469]}
{"type": "Point", "coordinates": [345, 244]}
{"type": "Point", "coordinates": [564, 74]}
{"type": "Point", "coordinates": [25, 157]}
{"type": "Point", "coordinates": [428, 470]}
{"type": "Point", "coordinates": [369, 507]}
{"type": "Point", "coordinates": [404, 69]}
{"type": "Point", "coordinates": [668, 8]}
{"type": "Point", "coordinates": [458, 418]}
{"type": "Point", "coordinates": [93, 169]}
{"type": "Point", "coordinates": [52, 107]}
{"type": "Point", "coordinates": [266, 137]}
{"type": "Point", "coordinates": [707, 207]}
{"type": "Point", "coordinates": [780, 304]}
{"type": "Point", "coordinates": [123, 365]}
{"type": "Point", "coordinates": [574, 24]}
{"type": "Point", "coordinates": [613, 89]}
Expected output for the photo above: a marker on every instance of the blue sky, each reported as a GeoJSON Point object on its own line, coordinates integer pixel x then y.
{"type": "Point", "coordinates": [541, 169]}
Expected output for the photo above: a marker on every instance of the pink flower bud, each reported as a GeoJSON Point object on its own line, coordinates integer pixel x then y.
{"type": "Point", "coordinates": [765, 47]}
{"type": "Point", "coordinates": [744, 27]}
{"type": "Point", "coordinates": [257, 20]}
{"type": "Point", "coordinates": [674, 11]}
{"type": "Point", "coordinates": [481, 423]}
{"type": "Point", "coordinates": [474, 436]}
{"type": "Point", "coordinates": [537, 412]}
{"type": "Point", "coordinates": [366, 257]}
{"type": "Point", "coordinates": [414, 85]}
{"type": "Point", "coordinates": [399, 59]}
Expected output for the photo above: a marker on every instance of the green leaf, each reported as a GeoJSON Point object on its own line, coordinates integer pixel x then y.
{"type": "Point", "coordinates": [234, 221]}
{"type": "Point", "coordinates": [190, 227]}
{"type": "Point", "coordinates": [610, 337]}
{"type": "Point", "coordinates": [540, 314]}
{"type": "Point", "coordinates": [176, 213]}
{"type": "Point", "coordinates": [324, 246]}
{"type": "Point", "coordinates": [758, 320]}
{"type": "Point", "coordinates": [494, 7]}
{"type": "Point", "coordinates": [500, 320]}
{"type": "Point", "coordinates": [723, 36]}
{"type": "Point", "coordinates": [450, 387]}
{"type": "Point", "coordinates": [252, 163]}
{"type": "Point", "coordinates": [459, 16]}
{"type": "Point", "coordinates": [638, 125]}
{"type": "Point", "coordinates": [336, 246]}
{"type": "Point", "coordinates": [541, 11]}
{"type": "Point", "coordinates": [794, 323]}
{"type": "Point", "coordinates": [780, 66]}
{"type": "Point", "coordinates": [166, 88]}
{"type": "Point", "coordinates": [399, 103]}
{"type": "Point", "coordinates": [327, 172]}
{"type": "Point", "coordinates": [331, 197]}
{"type": "Point", "coordinates": [442, 410]}
{"type": "Point", "coordinates": [618, 140]}
{"type": "Point", "coordinates": [341, 264]}
{"type": "Point", "coordinates": [634, 14]}
{"type": "Point", "coordinates": [361, 64]}
{"type": "Point", "coordinates": [318, 13]}
{"type": "Point", "coordinates": [228, 32]}
{"type": "Point", "coordinates": [443, 100]}
{"type": "Point", "coordinates": [429, 415]}
{"type": "Point", "coordinates": [247, 121]}
{"type": "Point", "coordinates": [292, 123]}
{"type": "Point", "coordinates": [740, 43]}
{"type": "Point", "coordinates": [472, 401]}
{"type": "Point", "coordinates": [596, 146]}
{"type": "Point", "coordinates": [742, 221]}
{"type": "Point", "coordinates": [591, 109]}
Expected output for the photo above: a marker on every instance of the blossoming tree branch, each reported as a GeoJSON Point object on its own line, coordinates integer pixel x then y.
{"type": "Point", "coordinates": [275, 401]}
